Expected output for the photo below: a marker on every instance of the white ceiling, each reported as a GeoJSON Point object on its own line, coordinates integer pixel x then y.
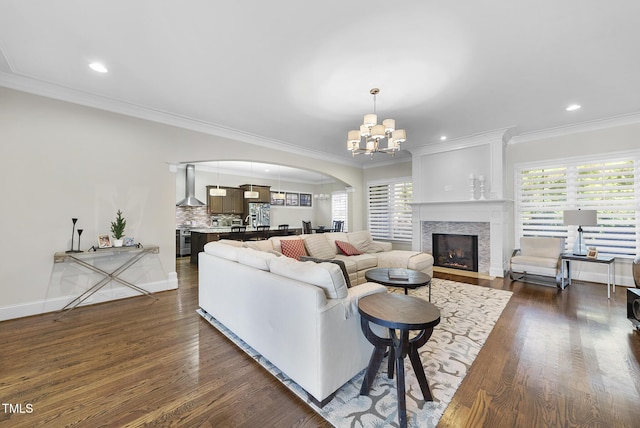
{"type": "Point", "coordinates": [297, 75]}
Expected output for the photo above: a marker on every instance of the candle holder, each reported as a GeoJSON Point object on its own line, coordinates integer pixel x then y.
{"type": "Point", "coordinates": [472, 188]}
{"type": "Point", "coordinates": [79, 234]}
{"type": "Point", "coordinates": [73, 232]}
{"type": "Point", "coordinates": [481, 180]}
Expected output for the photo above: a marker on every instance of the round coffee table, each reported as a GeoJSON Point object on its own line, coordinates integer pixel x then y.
{"type": "Point", "coordinates": [402, 313]}
{"type": "Point", "coordinates": [414, 278]}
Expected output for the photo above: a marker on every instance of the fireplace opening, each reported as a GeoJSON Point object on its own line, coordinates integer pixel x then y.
{"type": "Point", "coordinates": [455, 251]}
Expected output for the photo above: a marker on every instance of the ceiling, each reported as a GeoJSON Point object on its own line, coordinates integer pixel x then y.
{"type": "Point", "coordinates": [296, 75]}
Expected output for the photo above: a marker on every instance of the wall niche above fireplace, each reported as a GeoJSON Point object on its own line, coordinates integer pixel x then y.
{"type": "Point", "coordinates": [455, 251]}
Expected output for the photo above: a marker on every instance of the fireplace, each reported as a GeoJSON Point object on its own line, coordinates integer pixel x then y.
{"type": "Point", "coordinates": [455, 251]}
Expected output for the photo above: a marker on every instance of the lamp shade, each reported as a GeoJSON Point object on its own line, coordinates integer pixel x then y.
{"type": "Point", "coordinates": [251, 194]}
{"type": "Point", "coordinates": [389, 125]}
{"type": "Point", "coordinates": [399, 136]}
{"type": "Point", "coordinates": [353, 137]}
{"type": "Point", "coordinates": [370, 120]}
{"type": "Point", "coordinates": [377, 132]}
{"type": "Point", "coordinates": [218, 192]}
{"type": "Point", "coordinates": [580, 217]}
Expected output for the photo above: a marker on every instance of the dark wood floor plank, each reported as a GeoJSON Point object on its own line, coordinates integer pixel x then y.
{"type": "Point", "coordinates": [554, 358]}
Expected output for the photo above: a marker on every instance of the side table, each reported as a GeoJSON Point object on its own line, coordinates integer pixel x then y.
{"type": "Point", "coordinates": [402, 313]}
{"type": "Point", "coordinates": [414, 278]}
{"type": "Point", "coordinates": [610, 261]}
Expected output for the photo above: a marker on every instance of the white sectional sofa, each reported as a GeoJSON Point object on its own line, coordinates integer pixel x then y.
{"type": "Point", "coordinates": [374, 253]}
{"type": "Point", "coordinates": [301, 316]}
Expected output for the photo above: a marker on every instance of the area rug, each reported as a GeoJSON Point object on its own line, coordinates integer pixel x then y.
{"type": "Point", "coordinates": [468, 314]}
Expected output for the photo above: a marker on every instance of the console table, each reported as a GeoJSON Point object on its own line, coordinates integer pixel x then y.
{"type": "Point", "coordinates": [403, 313]}
{"type": "Point", "coordinates": [90, 260]}
{"type": "Point", "coordinates": [610, 261]}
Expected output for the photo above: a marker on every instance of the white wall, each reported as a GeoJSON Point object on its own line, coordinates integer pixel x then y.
{"type": "Point", "coordinates": [62, 160]}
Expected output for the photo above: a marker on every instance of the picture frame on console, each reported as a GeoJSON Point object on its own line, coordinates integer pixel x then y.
{"type": "Point", "coordinates": [104, 241]}
{"type": "Point", "coordinates": [592, 253]}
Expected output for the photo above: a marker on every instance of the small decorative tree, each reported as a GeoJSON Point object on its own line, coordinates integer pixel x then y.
{"type": "Point", "coordinates": [117, 227]}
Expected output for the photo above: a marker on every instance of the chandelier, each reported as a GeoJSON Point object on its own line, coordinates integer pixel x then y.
{"type": "Point", "coordinates": [373, 134]}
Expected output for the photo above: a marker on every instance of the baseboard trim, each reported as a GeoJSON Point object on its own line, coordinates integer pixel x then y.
{"type": "Point", "coordinates": [112, 291]}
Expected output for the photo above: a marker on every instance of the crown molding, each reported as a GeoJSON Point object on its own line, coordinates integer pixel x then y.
{"type": "Point", "coordinates": [594, 125]}
{"type": "Point", "coordinates": [62, 93]}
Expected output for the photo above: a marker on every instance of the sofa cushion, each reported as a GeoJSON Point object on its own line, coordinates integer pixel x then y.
{"type": "Point", "coordinates": [362, 241]}
{"type": "Point", "coordinates": [400, 258]}
{"type": "Point", "coordinates": [318, 246]}
{"type": "Point", "coordinates": [293, 248]}
{"type": "Point", "coordinates": [231, 242]}
{"type": "Point", "coordinates": [340, 263]}
{"type": "Point", "coordinates": [262, 245]}
{"type": "Point", "coordinates": [347, 249]}
{"type": "Point", "coordinates": [327, 276]}
{"type": "Point", "coordinates": [362, 261]}
{"type": "Point", "coordinates": [254, 258]}
{"type": "Point", "coordinates": [228, 252]}
{"type": "Point", "coordinates": [332, 237]}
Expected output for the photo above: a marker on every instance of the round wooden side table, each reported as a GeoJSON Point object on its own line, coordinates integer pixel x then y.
{"type": "Point", "coordinates": [400, 314]}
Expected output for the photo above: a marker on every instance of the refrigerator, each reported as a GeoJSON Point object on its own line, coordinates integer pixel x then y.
{"type": "Point", "coordinates": [259, 213]}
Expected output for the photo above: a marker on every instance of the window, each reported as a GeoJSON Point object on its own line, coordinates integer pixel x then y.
{"type": "Point", "coordinates": [610, 186]}
{"type": "Point", "coordinates": [339, 208]}
{"type": "Point", "coordinates": [389, 209]}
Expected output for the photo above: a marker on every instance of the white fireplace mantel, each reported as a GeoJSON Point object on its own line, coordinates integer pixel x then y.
{"type": "Point", "coordinates": [496, 212]}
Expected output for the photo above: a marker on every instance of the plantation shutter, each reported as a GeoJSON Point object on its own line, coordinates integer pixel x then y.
{"type": "Point", "coordinates": [389, 209]}
{"type": "Point", "coordinates": [612, 187]}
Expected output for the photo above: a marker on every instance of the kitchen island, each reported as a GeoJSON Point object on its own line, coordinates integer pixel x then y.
{"type": "Point", "coordinates": [201, 236]}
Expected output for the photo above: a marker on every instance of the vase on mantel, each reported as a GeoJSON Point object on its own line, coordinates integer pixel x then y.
{"type": "Point", "coordinates": [118, 242]}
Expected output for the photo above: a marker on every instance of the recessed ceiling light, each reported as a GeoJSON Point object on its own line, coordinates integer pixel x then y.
{"type": "Point", "coordinates": [573, 107]}
{"type": "Point", "coordinates": [444, 137]}
{"type": "Point", "coordinates": [99, 67]}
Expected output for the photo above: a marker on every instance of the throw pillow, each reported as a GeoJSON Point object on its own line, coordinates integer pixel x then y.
{"type": "Point", "coordinates": [293, 248]}
{"type": "Point", "coordinates": [340, 263]}
{"type": "Point", "coordinates": [318, 246]}
{"type": "Point", "coordinates": [347, 249]}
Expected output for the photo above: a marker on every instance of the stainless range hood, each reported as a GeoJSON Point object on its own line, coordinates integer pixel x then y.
{"type": "Point", "coordinates": [190, 190]}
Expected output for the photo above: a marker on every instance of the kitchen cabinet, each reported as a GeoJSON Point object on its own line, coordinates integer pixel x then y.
{"type": "Point", "coordinates": [232, 203]}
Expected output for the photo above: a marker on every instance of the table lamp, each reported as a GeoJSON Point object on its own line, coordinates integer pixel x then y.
{"type": "Point", "coordinates": [580, 218]}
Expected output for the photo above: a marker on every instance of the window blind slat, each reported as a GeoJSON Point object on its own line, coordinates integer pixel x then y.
{"type": "Point", "coordinates": [390, 215]}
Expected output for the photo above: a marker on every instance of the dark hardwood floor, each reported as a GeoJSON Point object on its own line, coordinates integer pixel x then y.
{"type": "Point", "coordinates": [554, 358]}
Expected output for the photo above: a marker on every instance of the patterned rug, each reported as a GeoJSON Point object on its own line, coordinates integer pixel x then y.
{"type": "Point", "coordinates": [468, 314]}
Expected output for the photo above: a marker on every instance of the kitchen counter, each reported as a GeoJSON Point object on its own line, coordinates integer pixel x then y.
{"type": "Point", "coordinates": [201, 236]}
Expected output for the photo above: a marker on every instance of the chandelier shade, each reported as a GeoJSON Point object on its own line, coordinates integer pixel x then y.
{"type": "Point", "coordinates": [367, 139]}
